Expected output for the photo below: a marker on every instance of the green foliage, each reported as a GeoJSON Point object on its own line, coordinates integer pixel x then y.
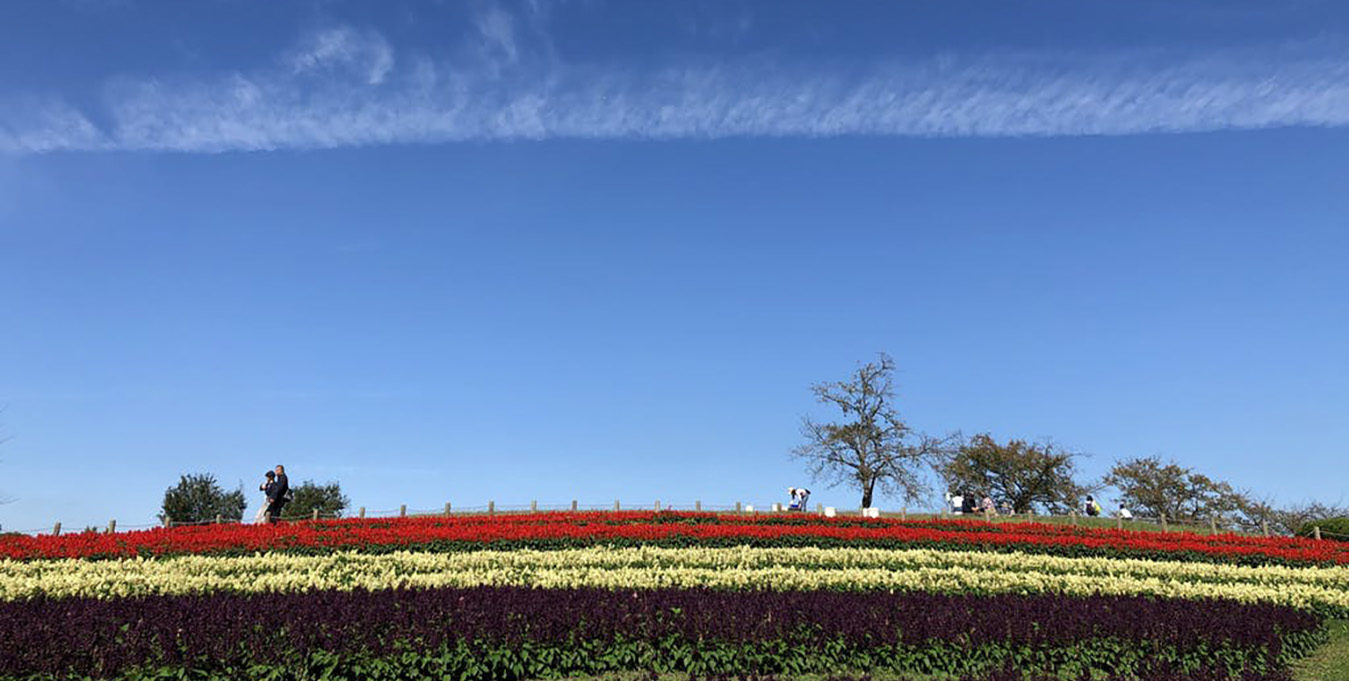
{"type": "Point", "coordinates": [1331, 661]}
{"type": "Point", "coordinates": [198, 498]}
{"type": "Point", "coordinates": [1020, 474]}
{"type": "Point", "coordinates": [1331, 528]}
{"type": "Point", "coordinates": [1150, 488]}
{"type": "Point", "coordinates": [791, 657]}
{"type": "Point", "coordinates": [327, 499]}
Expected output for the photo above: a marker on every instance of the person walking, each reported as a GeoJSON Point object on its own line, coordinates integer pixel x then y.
{"type": "Point", "coordinates": [278, 494]}
{"type": "Point", "coordinates": [266, 489]}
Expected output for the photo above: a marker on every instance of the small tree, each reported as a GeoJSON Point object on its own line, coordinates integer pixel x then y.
{"type": "Point", "coordinates": [1020, 474]}
{"type": "Point", "coordinates": [1256, 514]}
{"type": "Point", "coordinates": [198, 498]}
{"type": "Point", "coordinates": [327, 499]}
{"type": "Point", "coordinates": [1148, 486]}
{"type": "Point", "coordinates": [874, 448]}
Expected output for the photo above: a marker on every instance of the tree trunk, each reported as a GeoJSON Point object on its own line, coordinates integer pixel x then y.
{"type": "Point", "coordinates": [866, 495]}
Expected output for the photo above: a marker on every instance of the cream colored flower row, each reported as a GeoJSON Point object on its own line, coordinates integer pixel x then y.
{"type": "Point", "coordinates": [1322, 588]}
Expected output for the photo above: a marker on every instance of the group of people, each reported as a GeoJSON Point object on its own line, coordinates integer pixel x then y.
{"type": "Point", "coordinates": [276, 487]}
{"type": "Point", "coordinates": [1092, 507]}
{"type": "Point", "coordinates": [962, 502]}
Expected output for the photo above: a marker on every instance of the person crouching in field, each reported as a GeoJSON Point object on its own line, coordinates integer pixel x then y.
{"type": "Point", "coordinates": [987, 507]}
{"type": "Point", "coordinates": [1091, 507]}
{"type": "Point", "coordinates": [799, 496]}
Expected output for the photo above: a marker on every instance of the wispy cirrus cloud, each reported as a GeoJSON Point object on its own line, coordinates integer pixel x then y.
{"type": "Point", "coordinates": [344, 87]}
{"type": "Point", "coordinates": [31, 124]}
{"type": "Point", "coordinates": [366, 54]}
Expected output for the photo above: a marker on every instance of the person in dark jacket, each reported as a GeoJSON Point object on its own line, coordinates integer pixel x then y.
{"type": "Point", "coordinates": [967, 503]}
{"type": "Point", "coordinates": [278, 493]}
{"type": "Point", "coordinates": [266, 488]}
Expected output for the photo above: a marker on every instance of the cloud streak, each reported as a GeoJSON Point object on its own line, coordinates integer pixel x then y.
{"type": "Point", "coordinates": [344, 87]}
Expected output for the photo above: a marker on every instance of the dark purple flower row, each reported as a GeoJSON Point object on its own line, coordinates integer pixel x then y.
{"type": "Point", "coordinates": [109, 637]}
{"type": "Point", "coordinates": [1010, 674]}
{"type": "Point", "coordinates": [1160, 673]}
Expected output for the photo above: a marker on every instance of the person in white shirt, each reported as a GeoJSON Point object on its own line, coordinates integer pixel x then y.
{"type": "Point", "coordinates": [799, 497]}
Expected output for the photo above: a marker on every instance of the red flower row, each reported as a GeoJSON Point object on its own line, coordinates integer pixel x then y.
{"type": "Point", "coordinates": [545, 529]}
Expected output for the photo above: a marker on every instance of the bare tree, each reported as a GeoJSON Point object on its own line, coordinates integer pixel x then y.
{"type": "Point", "coordinates": [1255, 513]}
{"type": "Point", "coordinates": [873, 448]}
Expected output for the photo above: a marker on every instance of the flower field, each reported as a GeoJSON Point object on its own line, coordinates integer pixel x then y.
{"type": "Point", "coordinates": [558, 594]}
{"type": "Point", "coordinates": [1324, 590]}
{"type": "Point", "coordinates": [553, 530]}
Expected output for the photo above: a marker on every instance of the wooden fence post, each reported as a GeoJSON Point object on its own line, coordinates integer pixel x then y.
{"type": "Point", "coordinates": [698, 505]}
{"type": "Point", "coordinates": [573, 505]}
{"type": "Point", "coordinates": [1119, 522]}
{"type": "Point", "coordinates": [447, 509]}
{"type": "Point", "coordinates": [361, 513]}
{"type": "Point", "coordinates": [112, 527]}
{"type": "Point", "coordinates": [56, 529]}
{"type": "Point", "coordinates": [737, 507]}
{"type": "Point", "coordinates": [402, 510]}
{"type": "Point", "coordinates": [1073, 515]}
{"type": "Point", "coordinates": [616, 505]}
{"type": "Point", "coordinates": [819, 508]}
{"type": "Point", "coordinates": [904, 513]}
{"type": "Point", "coordinates": [315, 515]}
{"type": "Point", "coordinates": [1163, 515]}
{"type": "Point", "coordinates": [1264, 527]}
{"type": "Point", "coordinates": [168, 522]}
{"type": "Point", "coordinates": [218, 519]}
{"type": "Point", "coordinates": [658, 505]}
{"type": "Point", "coordinates": [491, 507]}
{"type": "Point", "coordinates": [1316, 532]}
{"type": "Point", "coordinates": [1212, 526]}
{"type": "Point", "coordinates": [533, 505]}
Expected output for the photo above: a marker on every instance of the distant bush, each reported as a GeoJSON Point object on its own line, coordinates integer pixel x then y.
{"type": "Point", "coordinates": [198, 498]}
{"type": "Point", "coordinates": [327, 499]}
{"type": "Point", "coordinates": [1331, 528]}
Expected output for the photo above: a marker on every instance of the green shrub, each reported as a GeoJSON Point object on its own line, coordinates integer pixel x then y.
{"type": "Point", "coordinates": [1331, 528]}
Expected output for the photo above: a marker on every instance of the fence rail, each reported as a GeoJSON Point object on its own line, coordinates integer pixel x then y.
{"type": "Point", "coordinates": [1163, 524]}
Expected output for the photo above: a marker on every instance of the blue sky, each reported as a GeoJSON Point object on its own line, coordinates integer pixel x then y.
{"type": "Point", "coordinates": [598, 250]}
